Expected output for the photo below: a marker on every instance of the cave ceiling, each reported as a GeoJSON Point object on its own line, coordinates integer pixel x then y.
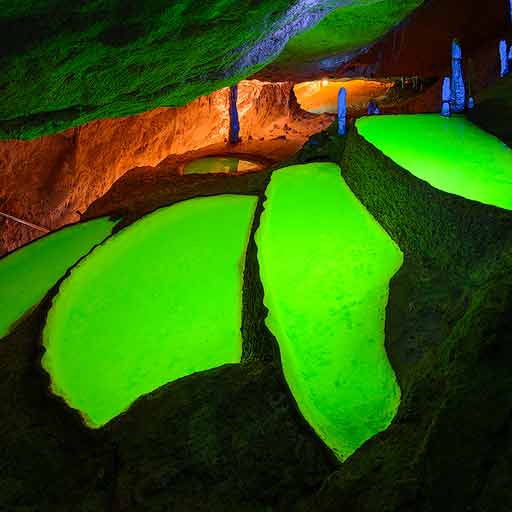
{"type": "Point", "coordinates": [63, 64]}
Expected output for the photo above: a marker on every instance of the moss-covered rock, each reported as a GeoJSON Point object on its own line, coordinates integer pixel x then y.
{"type": "Point", "coordinates": [448, 328]}
{"type": "Point", "coordinates": [343, 32]}
{"type": "Point", "coordinates": [227, 439]}
{"type": "Point", "coordinates": [65, 63]}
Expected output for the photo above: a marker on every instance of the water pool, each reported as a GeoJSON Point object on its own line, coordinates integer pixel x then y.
{"type": "Point", "coordinates": [28, 273]}
{"type": "Point", "coordinates": [217, 164]}
{"type": "Point", "coordinates": [159, 300]}
{"type": "Point", "coordinates": [325, 265]}
{"type": "Point", "coordinates": [452, 154]}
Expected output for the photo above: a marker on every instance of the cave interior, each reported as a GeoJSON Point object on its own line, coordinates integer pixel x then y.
{"type": "Point", "coordinates": [256, 256]}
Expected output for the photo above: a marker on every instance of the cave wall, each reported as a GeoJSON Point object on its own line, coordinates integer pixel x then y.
{"type": "Point", "coordinates": [47, 180]}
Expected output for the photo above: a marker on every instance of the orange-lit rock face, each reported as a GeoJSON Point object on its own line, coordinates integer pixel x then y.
{"type": "Point", "coordinates": [322, 95]}
{"type": "Point", "coordinates": [47, 180]}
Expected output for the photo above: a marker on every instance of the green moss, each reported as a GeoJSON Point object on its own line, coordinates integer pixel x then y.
{"type": "Point", "coordinates": [28, 273]}
{"type": "Point", "coordinates": [65, 64]}
{"type": "Point", "coordinates": [158, 301]}
{"type": "Point", "coordinates": [346, 29]}
{"type": "Point", "coordinates": [325, 266]}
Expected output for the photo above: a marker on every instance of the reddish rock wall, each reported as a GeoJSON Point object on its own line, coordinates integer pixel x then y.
{"type": "Point", "coordinates": [47, 180]}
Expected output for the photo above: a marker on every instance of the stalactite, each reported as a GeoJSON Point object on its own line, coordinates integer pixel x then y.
{"type": "Point", "coordinates": [445, 109]}
{"type": "Point", "coordinates": [503, 59]}
{"type": "Point", "coordinates": [342, 111]}
{"type": "Point", "coordinates": [458, 96]}
{"type": "Point", "coordinates": [234, 123]}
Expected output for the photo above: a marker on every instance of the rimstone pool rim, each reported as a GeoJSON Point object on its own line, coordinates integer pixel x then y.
{"type": "Point", "coordinates": [269, 350]}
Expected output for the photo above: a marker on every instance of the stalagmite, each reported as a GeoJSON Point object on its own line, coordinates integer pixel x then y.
{"type": "Point", "coordinates": [458, 95]}
{"type": "Point", "coordinates": [445, 109]}
{"type": "Point", "coordinates": [342, 111]}
{"type": "Point", "coordinates": [373, 109]}
{"type": "Point", "coordinates": [504, 69]}
{"type": "Point", "coordinates": [234, 123]}
{"type": "Point", "coordinates": [471, 103]}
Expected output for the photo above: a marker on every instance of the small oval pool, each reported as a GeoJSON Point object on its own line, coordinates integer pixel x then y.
{"type": "Point", "coordinates": [220, 164]}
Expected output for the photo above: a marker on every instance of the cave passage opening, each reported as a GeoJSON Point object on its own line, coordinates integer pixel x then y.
{"type": "Point", "coordinates": [28, 273]}
{"type": "Point", "coordinates": [450, 153]}
{"type": "Point", "coordinates": [325, 265]}
{"type": "Point", "coordinates": [321, 96]}
{"type": "Point", "coordinates": [158, 301]}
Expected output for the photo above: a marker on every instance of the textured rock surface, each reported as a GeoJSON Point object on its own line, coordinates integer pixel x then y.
{"type": "Point", "coordinates": [339, 36]}
{"type": "Point", "coordinates": [65, 64]}
{"type": "Point", "coordinates": [409, 49]}
{"type": "Point", "coordinates": [48, 180]}
{"type": "Point", "coordinates": [493, 111]}
{"type": "Point", "coordinates": [448, 330]}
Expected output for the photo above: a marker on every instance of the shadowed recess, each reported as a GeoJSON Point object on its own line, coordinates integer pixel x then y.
{"type": "Point", "coordinates": [452, 154]}
{"type": "Point", "coordinates": [27, 274]}
{"type": "Point", "coordinates": [325, 265]}
{"type": "Point", "coordinates": [158, 301]}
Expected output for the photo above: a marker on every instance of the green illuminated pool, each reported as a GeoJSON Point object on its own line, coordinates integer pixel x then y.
{"type": "Point", "coordinates": [28, 273]}
{"type": "Point", "coordinates": [216, 164]}
{"type": "Point", "coordinates": [451, 154]}
{"type": "Point", "coordinates": [325, 265]}
{"type": "Point", "coordinates": [159, 300]}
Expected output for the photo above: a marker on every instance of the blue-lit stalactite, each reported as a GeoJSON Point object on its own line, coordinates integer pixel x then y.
{"type": "Point", "coordinates": [447, 93]}
{"type": "Point", "coordinates": [504, 68]}
{"type": "Point", "coordinates": [342, 111]}
{"type": "Point", "coordinates": [458, 93]}
{"type": "Point", "coordinates": [234, 123]}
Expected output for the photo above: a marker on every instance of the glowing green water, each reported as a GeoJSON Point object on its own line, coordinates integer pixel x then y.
{"type": "Point", "coordinates": [451, 154]}
{"type": "Point", "coordinates": [158, 301]}
{"type": "Point", "coordinates": [27, 274]}
{"type": "Point", "coordinates": [219, 164]}
{"type": "Point", "coordinates": [325, 264]}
